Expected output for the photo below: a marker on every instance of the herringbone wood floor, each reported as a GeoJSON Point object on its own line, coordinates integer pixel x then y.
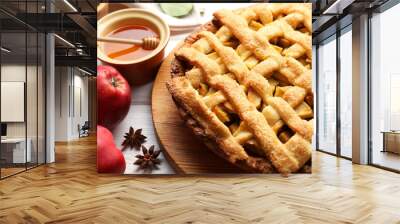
{"type": "Point", "coordinates": [70, 191]}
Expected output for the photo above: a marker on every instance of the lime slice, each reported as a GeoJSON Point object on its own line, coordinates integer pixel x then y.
{"type": "Point", "coordinates": [177, 9]}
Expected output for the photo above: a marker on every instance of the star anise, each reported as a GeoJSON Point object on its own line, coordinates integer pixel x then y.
{"type": "Point", "coordinates": [133, 139]}
{"type": "Point", "coordinates": [148, 159]}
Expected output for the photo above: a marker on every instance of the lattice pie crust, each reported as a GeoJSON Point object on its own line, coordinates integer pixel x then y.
{"type": "Point", "coordinates": [243, 83]}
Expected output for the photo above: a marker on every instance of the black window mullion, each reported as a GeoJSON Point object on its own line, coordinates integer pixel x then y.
{"type": "Point", "coordinates": [0, 96]}
{"type": "Point", "coordinates": [45, 94]}
{"type": "Point", "coordinates": [316, 106]}
{"type": "Point", "coordinates": [44, 72]}
{"type": "Point", "coordinates": [338, 74]}
{"type": "Point", "coordinates": [25, 89]}
{"type": "Point", "coordinates": [369, 79]}
{"type": "Point", "coordinates": [73, 91]}
{"type": "Point", "coordinates": [37, 90]}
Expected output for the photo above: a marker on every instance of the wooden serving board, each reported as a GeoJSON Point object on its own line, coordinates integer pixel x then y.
{"type": "Point", "coordinates": [185, 152]}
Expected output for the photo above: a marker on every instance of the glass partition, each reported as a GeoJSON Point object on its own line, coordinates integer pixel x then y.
{"type": "Point", "coordinates": [22, 77]}
{"type": "Point", "coordinates": [327, 95]}
{"type": "Point", "coordinates": [32, 98]}
{"type": "Point", "coordinates": [41, 97]}
{"type": "Point", "coordinates": [14, 146]}
{"type": "Point", "coordinates": [346, 92]}
{"type": "Point", "coordinates": [385, 89]}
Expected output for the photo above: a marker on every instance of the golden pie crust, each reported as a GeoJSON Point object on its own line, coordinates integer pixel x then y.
{"type": "Point", "coordinates": [242, 83]}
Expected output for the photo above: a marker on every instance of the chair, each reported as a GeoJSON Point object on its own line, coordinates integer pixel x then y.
{"type": "Point", "coordinates": [84, 130]}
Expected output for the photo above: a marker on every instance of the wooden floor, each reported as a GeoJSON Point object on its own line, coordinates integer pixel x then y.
{"type": "Point", "coordinates": [5, 172]}
{"type": "Point", "coordinates": [387, 159]}
{"type": "Point", "coordinates": [70, 191]}
{"type": "Point", "coordinates": [10, 171]}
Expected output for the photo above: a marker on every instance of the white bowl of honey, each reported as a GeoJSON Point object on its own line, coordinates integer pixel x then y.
{"type": "Point", "coordinates": [137, 64]}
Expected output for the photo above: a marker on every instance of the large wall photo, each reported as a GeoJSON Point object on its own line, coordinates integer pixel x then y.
{"type": "Point", "coordinates": [203, 88]}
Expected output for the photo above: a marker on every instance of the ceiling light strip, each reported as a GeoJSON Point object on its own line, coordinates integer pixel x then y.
{"type": "Point", "coordinates": [70, 5]}
{"type": "Point", "coordinates": [64, 40]}
{"type": "Point", "coordinates": [5, 49]}
{"type": "Point", "coordinates": [84, 71]}
{"type": "Point", "coordinates": [337, 7]}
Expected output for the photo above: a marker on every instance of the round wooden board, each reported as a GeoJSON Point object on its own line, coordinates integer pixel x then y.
{"type": "Point", "coordinates": [185, 152]}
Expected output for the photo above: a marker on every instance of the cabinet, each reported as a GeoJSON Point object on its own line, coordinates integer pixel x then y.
{"type": "Point", "coordinates": [391, 141]}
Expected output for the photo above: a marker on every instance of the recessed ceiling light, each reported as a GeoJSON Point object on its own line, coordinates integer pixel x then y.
{"type": "Point", "coordinates": [79, 51]}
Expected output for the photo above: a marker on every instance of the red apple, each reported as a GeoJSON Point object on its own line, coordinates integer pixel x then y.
{"type": "Point", "coordinates": [109, 157]}
{"type": "Point", "coordinates": [113, 96]}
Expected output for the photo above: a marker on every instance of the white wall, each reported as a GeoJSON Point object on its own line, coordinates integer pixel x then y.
{"type": "Point", "coordinates": [80, 84]}
{"type": "Point", "coordinates": [12, 101]}
{"type": "Point", "coordinates": [33, 127]}
{"type": "Point", "coordinates": [61, 103]}
{"type": "Point", "coordinates": [69, 82]}
{"type": "Point", "coordinates": [12, 73]}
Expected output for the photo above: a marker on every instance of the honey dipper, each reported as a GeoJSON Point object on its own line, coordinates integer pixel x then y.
{"type": "Point", "coordinates": [148, 43]}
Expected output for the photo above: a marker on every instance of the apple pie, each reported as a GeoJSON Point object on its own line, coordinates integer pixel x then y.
{"type": "Point", "coordinates": [242, 83]}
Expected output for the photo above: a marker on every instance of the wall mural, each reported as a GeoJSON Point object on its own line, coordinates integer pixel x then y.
{"type": "Point", "coordinates": [204, 88]}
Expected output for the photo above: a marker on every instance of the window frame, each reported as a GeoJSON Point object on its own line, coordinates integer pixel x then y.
{"type": "Point", "coordinates": [334, 37]}
{"type": "Point", "coordinates": [381, 9]}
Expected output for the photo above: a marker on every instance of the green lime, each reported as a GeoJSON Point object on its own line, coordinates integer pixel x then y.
{"type": "Point", "coordinates": [177, 9]}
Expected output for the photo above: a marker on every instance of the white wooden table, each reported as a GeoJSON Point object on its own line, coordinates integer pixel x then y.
{"type": "Point", "coordinates": [140, 116]}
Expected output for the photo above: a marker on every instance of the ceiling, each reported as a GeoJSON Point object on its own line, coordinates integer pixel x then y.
{"type": "Point", "coordinates": [72, 20]}
{"type": "Point", "coordinates": [332, 15]}
{"type": "Point", "coordinates": [75, 21]}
